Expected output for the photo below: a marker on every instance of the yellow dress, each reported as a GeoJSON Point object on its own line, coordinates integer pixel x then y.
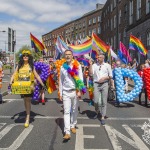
{"type": "Point", "coordinates": [23, 81]}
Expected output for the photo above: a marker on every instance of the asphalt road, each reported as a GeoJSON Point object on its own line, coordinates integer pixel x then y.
{"type": "Point", "coordinates": [124, 129]}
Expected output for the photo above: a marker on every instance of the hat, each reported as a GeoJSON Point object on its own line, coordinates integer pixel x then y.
{"type": "Point", "coordinates": [26, 52]}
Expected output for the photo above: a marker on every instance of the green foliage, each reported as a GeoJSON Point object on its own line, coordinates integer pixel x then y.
{"type": "Point", "coordinates": [35, 55]}
{"type": "Point", "coordinates": [7, 67]}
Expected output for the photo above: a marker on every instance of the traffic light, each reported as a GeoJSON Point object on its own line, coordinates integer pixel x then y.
{"type": "Point", "coordinates": [11, 39]}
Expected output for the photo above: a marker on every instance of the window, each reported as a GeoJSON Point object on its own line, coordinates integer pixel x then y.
{"type": "Point", "coordinates": [90, 32]}
{"type": "Point", "coordinates": [147, 6]}
{"type": "Point", "coordinates": [84, 24]}
{"type": "Point", "coordinates": [131, 12]}
{"type": "Point", "coordinates": [114, 42]}
{"type": "Point", "coordinates": [83, 35]}
{"type": "Point", "coordinates": [119, 36]}
{"type": "Point", "coordinates": [148, 38]}
{"type": "Point", "coordinates": [99, 30]}
{"type": "Point", "coordinates": [111, 24]}
{"type": "Point", "coordinates": [115, 21]}
{"type": "Point", "coordinates": [94, 30]}
{"type": "Point", "coordinates": [94, 20]}
{"type": "Point", "coordinates": [111, 7]}
{"type": "Point", "coordinates": [120, 17]}
{"type": "Point", "coordinates": [90, 21]}
{"type": "Point", "coordinates": [108, 23]}
{"type": "Point", "coordinates": [138, 9]}
{"type": "Point", "coordinates": [99, 18]}
{"type": "Point", "coordinates": [114, 3]}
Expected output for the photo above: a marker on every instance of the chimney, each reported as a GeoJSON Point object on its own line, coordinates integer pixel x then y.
{"type": "Point", "coordinates": [99, 6]}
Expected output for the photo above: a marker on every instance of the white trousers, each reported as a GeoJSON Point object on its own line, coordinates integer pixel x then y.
{"type": "Point", "coordinates": [71, 103]}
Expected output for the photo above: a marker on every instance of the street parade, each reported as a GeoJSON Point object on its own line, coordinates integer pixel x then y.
{"type": "Point", "coordinates": [78, 92]}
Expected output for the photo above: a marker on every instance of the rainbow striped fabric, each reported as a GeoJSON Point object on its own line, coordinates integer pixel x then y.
{"type": "Point", "coordinates": [99, 44]}
{"type": "Point", "coordinates": [136, 44]}
{"type": "Point", "coordinates": [81, 49]}
{"type": "Point", "coordinates": [36, 44]}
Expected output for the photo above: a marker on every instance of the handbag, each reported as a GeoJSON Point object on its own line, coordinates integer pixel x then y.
{"type": "Point", "coordinates": [22, 87]}
{"type": "Point", "coordinates": [111, 95]}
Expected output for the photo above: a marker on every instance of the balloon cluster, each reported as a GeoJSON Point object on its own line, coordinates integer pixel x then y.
{"type": "Point", "coordinates": [119, 74]}
{"type": "Point", "coordinates": [43, 71]}
{"type": "Point", "coordinates": [146, 74]}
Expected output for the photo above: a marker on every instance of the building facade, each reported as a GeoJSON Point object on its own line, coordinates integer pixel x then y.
{"type": "Point", "coordinates": [120, 18]}
{"type": "Point", "coordinates": [75, 31]}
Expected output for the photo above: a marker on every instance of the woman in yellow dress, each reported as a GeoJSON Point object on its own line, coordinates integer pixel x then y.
{"type": "Point", "coordinates": [25, 71]}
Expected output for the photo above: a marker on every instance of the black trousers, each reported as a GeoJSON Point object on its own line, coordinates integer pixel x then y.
{"type": "Point", "coordinates": [143, 91]}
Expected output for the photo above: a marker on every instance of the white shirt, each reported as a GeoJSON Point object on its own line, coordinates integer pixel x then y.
{"type": "Point", "coordinates": [100, 71]}
{"type": "Point", "coordinates": [1, 64]}
{"type": "Point", "coordinates": [66, 81]}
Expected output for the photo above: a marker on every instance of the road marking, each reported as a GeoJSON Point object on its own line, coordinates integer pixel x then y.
{"type": "Point", "coordinates": [113, 134]}
{"type": "Point", "coordinates": [49, 100]}
{"type": "Point", "coordinates": [84, 118]}
{"type": "Point", "coordinates": [79, 144]}
{"type": "Point", "coordinates": [17, 143]}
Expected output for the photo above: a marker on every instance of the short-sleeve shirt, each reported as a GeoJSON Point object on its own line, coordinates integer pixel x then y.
{"type": "Point", "coordinates": [100, 71]}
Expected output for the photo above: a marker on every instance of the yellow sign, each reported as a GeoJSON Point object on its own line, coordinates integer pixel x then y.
{"type": "Point", "coordinates": [21, 87]}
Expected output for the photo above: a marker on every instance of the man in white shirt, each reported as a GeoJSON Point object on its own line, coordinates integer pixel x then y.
{"type": "Point", "coordinates": [69, 96]}
{"type": "Point", "coordinates": [101, 74]}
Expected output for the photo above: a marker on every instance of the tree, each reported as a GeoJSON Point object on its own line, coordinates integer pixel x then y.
{"type": "Point", "coordinates": [35, 55]}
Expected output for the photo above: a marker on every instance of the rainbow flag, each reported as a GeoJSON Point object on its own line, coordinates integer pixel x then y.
{"type": "Point", "coordinates": [136, 44]}
{"type": "Point", "coordinates": [36, 44]}
{"type": "Point", "coordinates": [97, 43]}
{"type": "Point", "coordinates": [81, 49]}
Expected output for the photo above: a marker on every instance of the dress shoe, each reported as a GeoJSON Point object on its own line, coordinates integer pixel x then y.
{"type": "Point", "coordinates": [67, 137]}
{"type": "Point", "coordinates": [43, 102]}
{"type": "Point", "coordinates": [102, 122]}
{"type": "Point", "coordinates": [26, 125]}
{"type": "Point", "coordinates": [73, 130]}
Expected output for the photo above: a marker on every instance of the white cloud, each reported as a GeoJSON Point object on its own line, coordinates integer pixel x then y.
{"type": "Point", "coordinates": [39, 16]}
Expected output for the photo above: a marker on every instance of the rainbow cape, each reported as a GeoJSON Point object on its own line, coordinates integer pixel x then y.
{"type": "Point", "coordinates": [36, 44]}
{"type": "Point", "coordinates": [136, 44]}
{"type": "Point", "coordinates": [97, 43]}
{"type": "Point", "coordinates": [81, 49]}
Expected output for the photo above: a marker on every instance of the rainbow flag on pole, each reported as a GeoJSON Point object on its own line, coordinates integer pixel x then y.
{"type": "Point", "coordinates": [81, 49]}
{"type": "Point", "coordinates": [136, 44]}
{"type": "Point", "coordinates": [36, 44]}
{"type": "Point", "coordinates": [97, 43]}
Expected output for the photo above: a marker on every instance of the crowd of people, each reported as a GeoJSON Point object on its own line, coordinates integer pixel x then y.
{"type": "Point", "coordinates": [72, 84]}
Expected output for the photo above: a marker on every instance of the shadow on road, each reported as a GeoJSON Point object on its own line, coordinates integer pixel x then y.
{"type": "Point", "coordinates": [20, 117]}
{"type": "Point", "coordinates": [121, 105]}
{"type": "Point", "coordinates": [90, 114]}
{"type": "Point", "coordinates": [60, 123]}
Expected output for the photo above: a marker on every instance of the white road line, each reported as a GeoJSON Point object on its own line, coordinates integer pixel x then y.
{"type": "Point", "coordinates": [20, 99]}
{"type": "Point", "coordinates": [84, 118]}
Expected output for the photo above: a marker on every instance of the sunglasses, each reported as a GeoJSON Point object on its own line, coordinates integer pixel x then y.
{"type": "Point", "coordinates": [25, 55]}
{"type": "Point", "coordinates": [100, 67]}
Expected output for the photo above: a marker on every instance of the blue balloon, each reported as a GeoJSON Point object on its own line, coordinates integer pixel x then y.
{"type": "Point", "coordinates": [119, 74]}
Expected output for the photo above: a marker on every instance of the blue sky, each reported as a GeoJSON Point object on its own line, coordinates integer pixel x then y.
{"type": "Point", "coordinates": [39, 16]}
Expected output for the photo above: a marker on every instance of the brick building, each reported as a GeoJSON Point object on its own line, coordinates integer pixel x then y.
{"type": "Point", "coordinates": [120, 18]}
{"type": "Point", "coordinates": [75, 30]}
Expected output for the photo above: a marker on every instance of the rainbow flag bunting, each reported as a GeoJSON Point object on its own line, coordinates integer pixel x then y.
{"type": "Point", "coordinates": [36, 44]}
{"type": "Point", "coordinates": [99, 44]}
{"type": "Point", "coordinates": [136, 44]}
{"type": "Point", "coordinates": [81, 49]}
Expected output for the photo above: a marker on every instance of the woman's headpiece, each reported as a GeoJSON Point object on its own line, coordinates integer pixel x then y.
{"type": "Point", "coordinates": [26, 52]}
